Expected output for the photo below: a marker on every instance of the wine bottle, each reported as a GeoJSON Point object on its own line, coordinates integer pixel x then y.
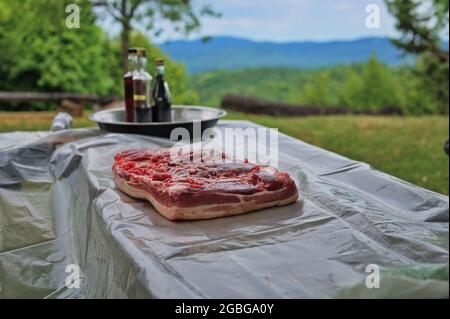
{"type": "Point", "coordinates": [141, 87]}
{"type": "Point", "coordinates": [161, 96]}
{"type": "Point", "coordinates": [128, 82]}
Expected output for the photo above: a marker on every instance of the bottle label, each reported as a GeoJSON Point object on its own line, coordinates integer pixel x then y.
{"type": "Point", "coordinates": [139, 97]}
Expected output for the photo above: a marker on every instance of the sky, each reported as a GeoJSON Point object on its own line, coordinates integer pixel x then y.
{"type": "Point", "coordinates": [291, 20]}
{"type": "Point", "coordinates": [285, 21]}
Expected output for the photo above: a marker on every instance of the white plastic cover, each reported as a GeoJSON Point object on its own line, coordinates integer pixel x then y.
{"type": "Point", "coordinates": [59, 207]}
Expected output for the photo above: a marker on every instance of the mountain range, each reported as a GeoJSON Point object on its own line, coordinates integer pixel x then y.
{"type": "Point", "coordinates": [235, 53]}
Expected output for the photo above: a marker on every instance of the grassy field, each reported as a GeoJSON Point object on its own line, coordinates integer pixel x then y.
{"type": "Point", "coordinates": [407, 147]}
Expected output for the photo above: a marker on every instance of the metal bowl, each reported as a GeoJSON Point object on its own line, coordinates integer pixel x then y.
{"type": "Point", "coordinates": [183, 116]}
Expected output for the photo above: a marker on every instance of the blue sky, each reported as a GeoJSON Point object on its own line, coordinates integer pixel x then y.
{"type": "Point", "coordinates": [292, 20]}
{"type": "Point", "coordinates": [285, 20]}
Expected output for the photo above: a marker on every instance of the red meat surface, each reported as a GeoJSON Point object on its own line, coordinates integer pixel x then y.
{"type": "Point", "coordinates": [185, 187]}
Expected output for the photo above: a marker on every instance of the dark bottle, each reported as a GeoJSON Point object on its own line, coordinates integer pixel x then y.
{"type": "Point", "coordinates": [161, 96]}
{"type": "Point", "coordinates": [141, 86]}
{"type": "Point", "coordinates": [128, 81]}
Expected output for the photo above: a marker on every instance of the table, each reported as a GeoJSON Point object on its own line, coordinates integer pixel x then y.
{"type": "Point", "coordinates": [61, 215]}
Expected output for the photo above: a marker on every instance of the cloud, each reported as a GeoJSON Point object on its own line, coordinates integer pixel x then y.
{"type": "Point", "coordinates": [289, 20]}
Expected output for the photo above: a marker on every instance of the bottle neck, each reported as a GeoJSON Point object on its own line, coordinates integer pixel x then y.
{"type": "Point", "coordinates": [141, 63]}
{"type": "Point", "coordinates": [160, 71]}
{"type": "Point", "coordinates": [132, 61]}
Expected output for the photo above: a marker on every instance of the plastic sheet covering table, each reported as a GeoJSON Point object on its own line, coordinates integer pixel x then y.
{"type": "Point", "coordinates": [59, 206]}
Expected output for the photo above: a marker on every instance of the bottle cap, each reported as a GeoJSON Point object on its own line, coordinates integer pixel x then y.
{"type": "Point", "coordinates": [141, 52]}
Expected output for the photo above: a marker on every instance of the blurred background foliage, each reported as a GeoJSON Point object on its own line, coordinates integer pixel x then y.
{"type": "Point", "coordinates": [368, 86]}
{"type": "Point", "coordinates": [39, 53]}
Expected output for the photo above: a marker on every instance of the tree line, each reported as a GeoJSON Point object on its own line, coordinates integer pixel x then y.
{"type": "Point", "coordinates": [370, 86]}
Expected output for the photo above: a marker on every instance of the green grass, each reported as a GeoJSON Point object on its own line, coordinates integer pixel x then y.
{"type": "Point", "coordinates": [410, 148]}
{"type": "Point", "coordinates": [34, 121]}
{"type": "Point", "coordinates": [407, 147]}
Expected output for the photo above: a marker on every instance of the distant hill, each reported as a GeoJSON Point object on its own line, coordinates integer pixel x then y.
{"type": "Point", "coordinates": [235, 53]}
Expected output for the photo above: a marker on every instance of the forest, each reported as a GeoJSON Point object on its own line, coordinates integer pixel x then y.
{"type": "Point", "coordinates": [368, 86]}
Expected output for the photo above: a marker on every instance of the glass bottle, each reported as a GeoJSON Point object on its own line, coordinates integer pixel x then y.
{"type": "Point", "coordinates": [128, 82]}
{"type": "Point", "coordinates": [141, 86]}
{"type": "Point", "coordinates": [161, 96]}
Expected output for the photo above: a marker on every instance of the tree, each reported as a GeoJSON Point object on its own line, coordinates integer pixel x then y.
{"type": "Point", "coordinates": [379, 86]}
{"type": "Point", "coordinates": [370, 87]}
{"type": "Point", "coordinates": [318, 91]}
{"type": "Point", "coordinates": [421, 31]}
{"type": "Point", "coordinates": [181, 13]}
{"type": "Point", "coordinates": [351, 93]}
{"type": "Point", "coordinates": [39, 53]}
{"type": "Point", "coordinates": [422, 24]}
